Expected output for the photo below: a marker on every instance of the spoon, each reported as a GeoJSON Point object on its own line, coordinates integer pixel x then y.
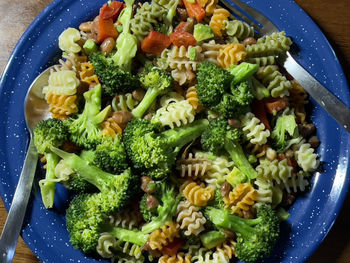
{"type": "Point", "coordinates": [35, 110]}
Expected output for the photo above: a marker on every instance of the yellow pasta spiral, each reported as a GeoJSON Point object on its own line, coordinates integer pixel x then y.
{"type": "Point", "coordinates": [111, 127]}
{"type": "Point", "coordinates": [61, 105]}
{"type": "Point", "coordinates": [197, 194]}
{"type": "Point", "coordinates": [192, 98]}
{"type": "Point", "coordinates": [231, 54]}
{"type": "Point", "coordinates": [258, 150]}
{"type": "Point", "coordinates": [227, 248]}
{"type": "Point", "coordinates": [208, 5]}
{"type": "Point", "coordinates": [242, 197]}
{"type": "Point", "coordinates": [162, 236]}
{"type": "Point", "coordinates": [87, 74]}
{"type": "Point", "coordinates": [178, 258]}
{"type": "Point", "coordinates": [217, 21]}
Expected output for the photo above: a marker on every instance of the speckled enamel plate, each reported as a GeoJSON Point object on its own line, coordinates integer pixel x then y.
{"type": "Point", "coordinates": [311, 216]}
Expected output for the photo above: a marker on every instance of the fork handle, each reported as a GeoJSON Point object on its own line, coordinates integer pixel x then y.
{"type": "Point", "coordinates": [14, 221]}
{"type": "Point", "coordinates": [338, 110]}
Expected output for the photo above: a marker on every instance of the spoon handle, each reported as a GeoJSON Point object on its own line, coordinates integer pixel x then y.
{"type": "Point", "coordinates": [14, 221]}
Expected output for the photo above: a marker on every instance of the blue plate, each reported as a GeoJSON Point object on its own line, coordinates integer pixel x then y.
{"type": "Point", "coordinates": [312, 215]}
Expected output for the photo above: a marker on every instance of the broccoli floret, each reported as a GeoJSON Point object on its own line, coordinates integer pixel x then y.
{"type": "Point", "coordinates": [212, 83]}
{"type": "Point", "coordinates": [49, 133]}
{"type": "Point", "coordinates": [285, 125]}
{"type": "Point", "coordinates": [156, 82]}
{"type": "Point", "coordinates": [168, 201]}
{"type": "Point", "coordinates": [255, 237]}
{"type": "Point", "coordinates": [85, 130]}
{"type": "Point", "coordinates": [110, 155]}
{"type": "Point", "coordinates": [218, 91]}
{"type": "Point", "coordinates": [154, 153]}
{"type": "Point", "coordinates": [87, 218]}
{"type": "Point", "coordinates": [114, 79]}
{"type": "Point", "coordinates": [219, 136]}
{"type": "Point", "coordinates": [120, 188]}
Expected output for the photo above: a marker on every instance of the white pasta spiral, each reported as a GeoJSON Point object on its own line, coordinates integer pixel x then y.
{"type": "Point", "coordinates": [63, 82]}
{"type": "Point", "coordinates": [306, 157]}
{"type": "Point", "coordinates": [253, 129]}
{"type": "Point", "coordinates": [176, 114]}
{"type": "Point", "coordinates": [190, 218]}
{"type": "Point", "coordinates": [67, 40]}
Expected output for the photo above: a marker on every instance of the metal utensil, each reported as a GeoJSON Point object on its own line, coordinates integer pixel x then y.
{"type": "Point", "coordinates": [35, 110]}
{"type": "Point", "coordinates": [331, 104]}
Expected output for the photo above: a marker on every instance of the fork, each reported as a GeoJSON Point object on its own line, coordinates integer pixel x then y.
{"type": "Point", "coordinates": [331, 104]}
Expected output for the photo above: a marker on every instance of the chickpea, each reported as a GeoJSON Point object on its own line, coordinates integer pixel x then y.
{"type": "Point", "coordinates": [225, 189]}
{"type": "Point", "coordinates": [152, 202]}
{"type": "Point", "coordinates": [249, 41]}
{"type": "Point", "coordinates": [86, 26]}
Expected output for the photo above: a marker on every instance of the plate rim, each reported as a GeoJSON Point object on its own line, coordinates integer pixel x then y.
{"type": "Point", "coordinates": [345, 187]}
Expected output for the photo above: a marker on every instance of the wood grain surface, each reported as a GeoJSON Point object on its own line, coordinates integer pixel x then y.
{"type": "Point", "coordinates": [331, 16]}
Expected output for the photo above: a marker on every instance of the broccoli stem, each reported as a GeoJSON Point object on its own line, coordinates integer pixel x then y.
{"type": "Point", "coordinates": [178, 137]}
{"type": "Point", "coordinates": [90, 173]}
{"type": "Point", "coordinates": [131, 236]}
{"type": "Point", "coordinates": [223, 218]}
{"type": "Point", "coordinates": [236, 152]}
{"type": "Point", "coordinates": [150, 96]}
{"type": "Point", "coordinates": [48, 185]}
{"type": "Point", "coordinates": [165, 213]}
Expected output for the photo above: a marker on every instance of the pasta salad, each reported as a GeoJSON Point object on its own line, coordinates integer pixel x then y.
{"type": "Point", "coordinates": [178, 135]}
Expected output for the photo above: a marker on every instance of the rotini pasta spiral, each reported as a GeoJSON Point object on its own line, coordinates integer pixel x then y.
{"type": "Point", "coordinates": [192, 98]}
{"type": "Point", "coordinates": [190, 218]}
{"type": "Point", "coordinates": [196, 194]}
{"type": "Point", "coordinates": [231, 54]}
{"type": "Point", "coordinates": [145, 18]}
{"type": "Point", "coordinates": [161, 237]}
{"type": "Point", "coordinates": [297, 182]}
{"type": "Point", "coordinates": [216, 175]}
{"type": "Point", "coordinates": [254, 130]}
{"type": "Point", "coordinates": [106, 244]}
{"type": "Point", "coordinates": [128, 218]}
{"type": "Point", "coordinates": [70, 61]}
{"type": "Point", "coordinates": [87, 75]}
{"type": "Point", "coordinates": [204, 255]}
{"type": "Point", "coordinates": [67, 40]}
{"type": "Point", "coordinates": [277, 84]}
{"type": "Point", "coordinates": [242, 197]}
{"type": "Point", "coordinates": [264, 190]}
{"type": "Point", "coordinates": [110, 127]}
{"type": "Point", "coordinates": [183, 76]}
{"type": "Point", "coordinates": [179, 58]}
{"type": "Point", "coordinates": [227, 248]}
{"type": "Point", "coordinates": [178, 258]}
{"type": "Point", "coordinates": [262, 61]}
{"type": "Point", "coordinates": [124, 102]}
{"type": "Point", "coordinates": [208, 5]}
{"type": "Point", "coordinates": [306, 157]}
{"type": "Point", "coordinates": [62, 82]}
{"type": "Point", "coordinates": [210, 51]}
{"type": "Point", "coordinates": [61, 106]}
{"type": "Point", "coordinates": [193, 166]}
{"type": "Point", "coordinates": [277, 171]}
{"type": "Point", "coordinates": [239, 29]}
{"type": "Point", "coordinates": [217, 21]}
{"type": "Point", "coordinates": [281, 42]}
{"type": "Point", "coordinates": [175, 114]}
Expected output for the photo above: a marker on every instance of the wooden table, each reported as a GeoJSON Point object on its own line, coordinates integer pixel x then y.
{"type": "Point", "coordinates": [331, 16]}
